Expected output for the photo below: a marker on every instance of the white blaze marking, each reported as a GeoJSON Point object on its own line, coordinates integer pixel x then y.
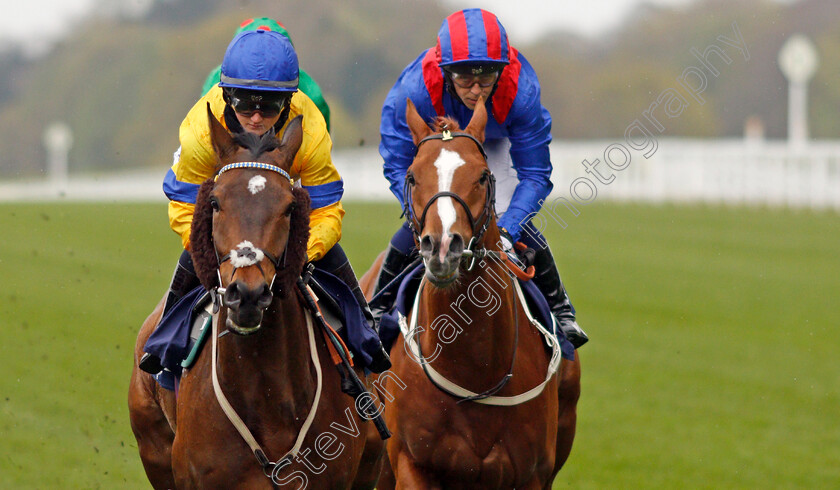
{"type": "Point", "coordinates": [245, 254]}
{"type": "Point", "coordinates": [256, 184]}
{"type": "Point", "coordinates": [446, 163]}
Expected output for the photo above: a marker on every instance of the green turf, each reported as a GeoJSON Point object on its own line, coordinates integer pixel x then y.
{"type": "Point", "coordinates": [712, 362]}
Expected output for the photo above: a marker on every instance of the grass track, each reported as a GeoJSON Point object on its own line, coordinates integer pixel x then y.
{"type": "Point", "coordinates": [712, 363]}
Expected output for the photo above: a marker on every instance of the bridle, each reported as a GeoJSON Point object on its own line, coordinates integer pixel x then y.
{"type": "Point", "coordinates": [248, 255]}
{"type": "Point", "coordinates": [477, 225]}
{"type": "Point", "coordinates": [252, 254]}
{"type": "Point", "coordinates": [245, 255]}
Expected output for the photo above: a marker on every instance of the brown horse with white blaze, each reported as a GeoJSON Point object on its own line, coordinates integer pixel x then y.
{"type": "Point", "coordinates": [484, 404]}
{"type": "Point", "coordinates": [267, 365]}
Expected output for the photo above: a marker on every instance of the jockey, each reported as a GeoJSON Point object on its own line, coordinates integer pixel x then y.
{"type": "Point", "coordinates": [472, 59]}
{"type": "Point", "coordinates": [305, 83]}
{"type": "Point", "coordinates": [258, 93]}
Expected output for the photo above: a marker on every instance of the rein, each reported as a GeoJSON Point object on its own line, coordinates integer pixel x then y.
{"type": "Point", "coordinates": [411, 330]}
{"type": "Point", "coordinates": [472, 255]}
{"type": "Point", "coordinates": [246, 255]}
{"type": "Point", "coordinates": [269, 467]}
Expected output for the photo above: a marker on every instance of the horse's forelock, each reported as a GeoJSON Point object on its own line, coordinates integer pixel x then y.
{"type": "Point", "coordinates": [446, 122]}
{"type": "Point", "coordinates": [256, 144]}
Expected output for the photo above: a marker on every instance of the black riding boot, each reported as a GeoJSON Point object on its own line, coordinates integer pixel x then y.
{"type": "Point", "coordinates": [183, 281]}
{"type": "Point", "coordinates": [393, 263]}
{"type": "Point", "coordinates": [548, 281]}
{"type": "Point", "coordinates": [380, 362]}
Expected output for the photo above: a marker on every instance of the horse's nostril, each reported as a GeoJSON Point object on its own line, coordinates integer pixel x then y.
{"type": "Point", "coordinates": [265, 297]}
{"type": "Point", "coordinates": [232, 295]}
{"type": "Point", "coordinates": [456, 244]}
{"type": "Point", "coordinates": [239, 295]}
{"type": "Point", "coordinates": [427, 245]}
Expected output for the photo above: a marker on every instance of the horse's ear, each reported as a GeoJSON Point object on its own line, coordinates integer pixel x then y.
{"type": "Point", "coordinates": [419, 128]}
{"type": "Point", "coordinates": [478, 121]}
{"type": "Point", "coordinates": [292, 138]}
{"type": "Point", "coordinates": [220, 138]}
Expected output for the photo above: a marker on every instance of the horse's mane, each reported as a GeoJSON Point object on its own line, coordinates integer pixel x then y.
{"type": "Point", "coordinates": [256, 144]}
{"type": "Point", "coordinates": [203, 250]}
{"type": "Point", "coordinates": [445, 122]}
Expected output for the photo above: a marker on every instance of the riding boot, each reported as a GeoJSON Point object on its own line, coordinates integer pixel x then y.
{"type": "Point", "coordinates": [393, 263]}
{"type": "Point", "coordinates": [547, 279]}
{"type": "Point", "coordinates": [183, 281]}
{"type": "Point", "coordinates": [380, 362]}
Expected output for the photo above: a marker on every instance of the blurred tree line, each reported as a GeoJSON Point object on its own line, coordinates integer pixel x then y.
{"type": "Point", "coordinates": [124, 84]}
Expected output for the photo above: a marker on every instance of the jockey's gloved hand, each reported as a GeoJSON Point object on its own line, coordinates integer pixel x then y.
{"type": "Point", "coordinates": [507, 247]}
{"type": "Point", "coordinates": [507, 240]}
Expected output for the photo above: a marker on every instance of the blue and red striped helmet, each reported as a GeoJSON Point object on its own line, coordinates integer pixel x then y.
{"type": "Point", "coordinates": [472, 37]}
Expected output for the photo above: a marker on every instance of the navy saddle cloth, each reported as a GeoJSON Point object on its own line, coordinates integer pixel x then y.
{"type": "Point", "coordinates": [171, 340]}
{"type": "Point", "coordinates": [389, 327]}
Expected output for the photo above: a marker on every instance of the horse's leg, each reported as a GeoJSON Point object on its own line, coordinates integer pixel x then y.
{"type": "Point", "coordinates": [568, 394]}
{"type": "Point", "coordinates": [410, 477]}
{"type": "Point", "coordinates": [148, 405]}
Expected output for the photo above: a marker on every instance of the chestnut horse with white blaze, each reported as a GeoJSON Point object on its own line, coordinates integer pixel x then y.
{"type": "Point", "coordinates": [262, 407]}
{"type": "Point", "coordinates": [485, 404]}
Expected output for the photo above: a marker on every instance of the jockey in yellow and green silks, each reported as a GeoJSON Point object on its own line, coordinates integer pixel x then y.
{"type": "Point", "coordinates": [258, 92]}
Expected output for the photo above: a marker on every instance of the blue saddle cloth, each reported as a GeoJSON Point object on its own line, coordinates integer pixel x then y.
{"type": "Point", "coordinates": [389, 327]}
{"type": "Point", "coordinates": [171, 339]}
{"type": "Point", "coordinates": [357, 333]}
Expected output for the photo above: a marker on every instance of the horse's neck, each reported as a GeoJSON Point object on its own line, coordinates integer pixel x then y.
{"type": "Point", "coordinates": [473, 322]}
{"type": "Point", "coordinates": [273, 366]}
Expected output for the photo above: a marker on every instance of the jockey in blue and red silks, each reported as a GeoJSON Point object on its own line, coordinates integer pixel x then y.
{"type": "Point", "coordinates": [473, 58]}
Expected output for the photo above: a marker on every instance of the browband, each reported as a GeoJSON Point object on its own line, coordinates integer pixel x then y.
{"type": "Point", "coordinates": [256, 165]}
{"type": "Point", "coordinates": [447, 135]}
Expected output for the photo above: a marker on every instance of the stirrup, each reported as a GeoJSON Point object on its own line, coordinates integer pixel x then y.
{"type": "Point", "coordinates": [150, 363]}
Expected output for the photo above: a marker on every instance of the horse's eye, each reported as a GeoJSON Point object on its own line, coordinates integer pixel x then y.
{"type": "Point", "coordinates": [484, 178]}
{"type": "Point", "coordinates": [290, 209]}
{"type": "Point", "coordinates": [410, 179]}
{"type": "Point", "coordinates": [214, 203]}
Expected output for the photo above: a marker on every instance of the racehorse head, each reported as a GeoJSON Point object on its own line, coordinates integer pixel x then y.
{"type": "Point", "coordinates": [250, 226]}
{"type": "Point", "coordinates": [449, 191]}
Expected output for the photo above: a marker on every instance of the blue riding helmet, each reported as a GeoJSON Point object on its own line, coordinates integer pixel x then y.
{"type": "Point", "coordinates": [472, 41]}
{"type": "Point", "coordinates": [260, 60]}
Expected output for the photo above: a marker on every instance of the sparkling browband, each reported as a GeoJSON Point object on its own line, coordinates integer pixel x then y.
{"type": "Point", "coordinates": [257, 165]}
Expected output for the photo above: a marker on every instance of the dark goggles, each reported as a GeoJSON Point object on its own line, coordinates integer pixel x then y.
{"type": "Point", "coordinates": [249, 102]}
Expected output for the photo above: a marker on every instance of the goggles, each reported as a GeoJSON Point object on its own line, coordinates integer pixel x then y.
{"type": "Point", "coordinates": [249, 102]}
{"type": "Point", "coordinates": [467, 81]}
